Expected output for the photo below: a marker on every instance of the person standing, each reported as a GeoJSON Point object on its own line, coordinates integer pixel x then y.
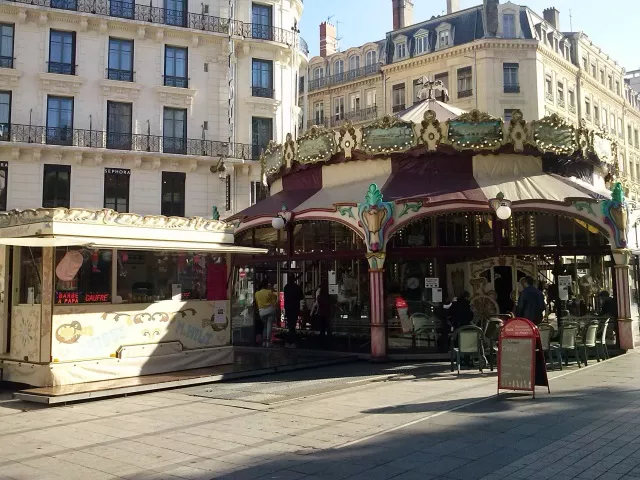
{"type": "Point", "coordinates": [292, 299]}
{"type": "Point", "coordinates": [321, 309]}
{"type": "Point", "coordinates": [531, 302]}
{"type": "Point", "coordinates": [460, 311]}
{"type": "Point", "coordinates": [266, 302]}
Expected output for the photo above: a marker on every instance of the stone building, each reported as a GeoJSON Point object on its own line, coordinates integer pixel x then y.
{"type": "Point", "coordinates": [144, 107]}
{"type": "Point", "coordinates": [495, 57]}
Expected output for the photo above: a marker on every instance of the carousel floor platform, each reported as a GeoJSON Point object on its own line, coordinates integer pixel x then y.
{"type": "Point", "coordinates": [248, 362]}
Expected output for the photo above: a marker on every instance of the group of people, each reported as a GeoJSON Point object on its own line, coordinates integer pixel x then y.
{"type": "Point", "coordinates": [267, 309]}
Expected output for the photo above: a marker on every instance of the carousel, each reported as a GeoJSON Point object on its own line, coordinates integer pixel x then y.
{"type": "Point", "coordinates": [397, 218]}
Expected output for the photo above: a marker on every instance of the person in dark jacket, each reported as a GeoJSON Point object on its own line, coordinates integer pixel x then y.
{"type": "Point", "coordinates": [292, 298]}
{"type": "Point", "coordinates": [531, 303]}
{"type": "Point", "coordinates": [608, 305]}
{"type": "Point", "coordinates": [460, 311]}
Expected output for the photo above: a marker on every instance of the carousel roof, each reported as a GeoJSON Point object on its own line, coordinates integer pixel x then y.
{"type": "Point", "coordinates": [417, 111]}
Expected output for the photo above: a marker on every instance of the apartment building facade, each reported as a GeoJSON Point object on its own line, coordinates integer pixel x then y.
{"type": "Point", "coordinates": [142, 108]}
{"type": "Point", "coordinates": [496, 57]}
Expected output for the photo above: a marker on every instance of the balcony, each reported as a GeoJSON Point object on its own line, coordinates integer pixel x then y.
{"type": "Point", "coordinates": [348, 76]}
{"type": "Point", "coordinates": [398, 108]}
{"type": "Point", "coordinates": [177, 18]}
{"type": "Point", "coordinates": [136, 142]}
{"type": "Point", "coordinates": [178, 82]}
{"type": "Point", "coordinates": [549, 96]}
{"type": "Point", "coordinates": [362, 114]}
{"type": "Point", "coordinates": [262, 92]}
{"type": "Point", "coordinates": [572, 108]}
{"type": "Point", "coordinates": [561, 103]}
{"type": "Point", "coordinates": [61, 68]}
{"type": "Point", "coordinates": [6, 62]}
{"type": "Point", "coordinates": [119, 75]}
{"type": "Point", "coordinates": [511, 88]}
{"type": "Point", "coordinates": [465, 93]}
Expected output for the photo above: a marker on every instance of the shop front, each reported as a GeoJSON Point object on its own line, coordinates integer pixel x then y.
{"type": "Point", "coordinates": [97, 295]}
{"type": "Point", "coordinates": [398, 218]}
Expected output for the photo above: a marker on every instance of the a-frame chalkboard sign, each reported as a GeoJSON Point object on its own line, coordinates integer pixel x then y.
{"type": "Point", "coordinates": [521, 363]}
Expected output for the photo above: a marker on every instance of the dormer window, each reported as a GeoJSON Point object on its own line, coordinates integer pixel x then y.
{"type": "Point", "coordinates": [371, 58]}
{"type": "Point", "coordinates": [509, 25]}
{"type": "Point", "coordinates": [354, 62]}
{"type": "Point", "coordinates": [443, 39]}
{"type": "Point", "coordinates": [318, 73]}
{"type": "Point", "coordinates": [338, 67]}
{"type": "Point", "coordinates": [422, 44]}
{"type": "Point", "coordinates": [401, 50]}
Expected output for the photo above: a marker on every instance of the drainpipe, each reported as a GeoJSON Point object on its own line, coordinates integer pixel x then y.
{"type": "Point", "coordinates": [384, 94]}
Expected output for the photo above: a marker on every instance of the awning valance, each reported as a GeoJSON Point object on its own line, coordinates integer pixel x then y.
{"type": "Point", "coordinates": [128, 244]}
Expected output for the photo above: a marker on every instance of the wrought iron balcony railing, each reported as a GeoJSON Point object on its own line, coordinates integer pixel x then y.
{"type": "Point", "coordinates": [262, 92]}
{"type": "Point", "coordinates": [398, 108]}
{"type": "Point", "coordinates": [172, 81]}
{"type": "Point", "coordinates": [344, 77]}
{"type": "Point", "coordinates": [511, 88]}
{"type": "Point", "coordinates": [122, 141]}
{"type": "Point", "coordinates": [6, 62]}
{"type": "Point", "coordinates": [62, 68]}
{"type": "Point", "coordinates": [120, 75]}
{"type": "Point", "coordinates": [181, 18]}
{"type": "Point", "coordinates": [465, 93]}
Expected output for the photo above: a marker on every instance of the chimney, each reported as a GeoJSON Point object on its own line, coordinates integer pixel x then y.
{"type": "Point", "coordinates": [552, 16]}
{"type": "Point", "coordinates": [490, 14]}
{"type": "Point", "coordinates": [453, 6]}
{"type": "Point", "coordinates": [328, 39]}
{"type": "Point", "coordinates": [402, 13]}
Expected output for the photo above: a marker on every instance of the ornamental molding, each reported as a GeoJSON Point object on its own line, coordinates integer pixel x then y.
{"type": "Point", "coordinates": [175, 97]}
{"type": "Point", "coordinates": [601, 89]}
{"type": "Point", "coordinates": [120, 90]}
{"type": "Point", "coordinates": [9, 77]}
{"type": "Point", "coordinates": [263, 105]}
{"type": "Point", "coordinates": [110, 217]}
{"type": "Point", "coordinates": [62, 84]}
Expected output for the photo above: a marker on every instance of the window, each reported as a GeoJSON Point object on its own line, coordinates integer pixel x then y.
{"type": "Point", "coordinates": [593, 71]}
{"type": "Point", "coordinates": [119, 121]}
{"type": "Point", "coordinates": [417, 86]}
{"type": "Point", "coordinates": [398, 97]}
{"type": "Point", "coordinates": [338, 108]}
{"type": "Point", "coordinates": [59, 120]}
{"type": "Point", "coordinates": [175, 12]}
{"type": "Point", "coordinates": [262, 21]}
{"type": "Point", "coordinates": [318, 113]}
{"type": "Point", "coordinates": [354, 62]}
{"type": "Point", "coordinates": [175, 67]}
{"type": "Point", "coordinates": [422, 44]}
{"type": "Point", "coordinates": [511, 80]}
{"type": "Point", "coordinates": [4, 179]}
{"type": "Point", "coordinates": [572, 98]}
{"type": "Point", "coordinates": [181, 276]}
{"type": "Point", "coordinates": [465, 82]}
{"type": "Point", "coordinates": [508, 114]}
{"type": "Point", "coordinates": [371, 58]}
{"type": "Point", "coordinates": [5, 116]}
{"type": "Point", "coordinates": [338, 70]}
{"type": "Point", "coordinates": [56, 186]}
{"type": "Point", "coordinates": [6, 45]}
{"type": "Point", "coordinates": [62, 52]}
{"type": "Point", "coordinates": [401, 51]}
{"type": "Point", "coordinates": [82, 276]}
{"type": "Point", "coordinates": [560, 94]}
{"type": "Point", "coordinates": [602, 77]}
{"type": "Point", "coordinates": [629, 135]}
{"type": "Point", "coordinates": [612, 124]}
{"type": "Point", "coordinates": [584, 63]}
{"type": "Point", "coordinates": [262, 78]}
{"type": "Point", "coordinates": [509, 25]}
{"type": "Point", "coordinates": [548, 86]}
{"type": "Point", "coordinates": [258, 192]}
{"type": "Point", "coordinates": [354, 102]}
{"type": "Point", "coordinates": [618, 87]}
{"type": "Point", "coordinates": [444, 78]}
{"type": "Point", "coordinates": [610, 78]}
{"type": "Point", "coordinates": [443, 39]}
{"type": "Point", "coordinates": [636, 138]}
{"type": "Point", "coordinates": [121, 8]}
{"type": "Point", "coordinates": [30, 275]}
{"type": "Point", "coordinates": [261, 134]}
{"type": "Point", "coordinates": [174, 130]}
{"type": "Point", "coordinates": [116, 189]}
{"type": "Point", "coordinates": [605, 117]}
{"type": "Point", "coordinates": [120, 60]}
{"type": "Point", "coordinates": [318, 73]}
{"type": "Point", "coordinates": [370, 98]}
{"type": "Point", "coordinates": [587, 108]}
{"type": "Point", "coordinates": [173, 194]}
{"type": "Point", "coordinates": [620, 127]}
{"type": "Point", "coordinates": [596, 115]}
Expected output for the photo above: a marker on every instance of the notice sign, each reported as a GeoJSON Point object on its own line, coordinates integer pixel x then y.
{"type": "Point", "coordinates": [564, 283]}
{"type": "Point", "coordinates": [431, 282]}
{"type": "Point", "coordinates": [521, 363]}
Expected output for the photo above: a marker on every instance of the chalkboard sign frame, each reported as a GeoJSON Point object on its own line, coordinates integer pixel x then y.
{"type": "Point", "coordinates": [523, 329]}
{"type": "Point", "coordinates": [503, 383]}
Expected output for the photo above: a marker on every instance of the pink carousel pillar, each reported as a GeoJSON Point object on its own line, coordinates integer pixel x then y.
{"type": "Point", "coordinates": [627, 326]}
{"type": "Point", "coordinates": [375, 215]}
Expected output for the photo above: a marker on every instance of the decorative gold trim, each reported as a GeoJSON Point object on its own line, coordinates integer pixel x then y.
{"type": "Point", "coordinates": [476, 117]}
{"type": "Point", "coordinates": [556, 122]}
{"type": "Point", "coordinates": [273, 149]}
{"type": "Point", "coordinates": [385, 123]}
{"type": "Point", "coordinates": [107, 216]}
{"type": "Point", "coordinates": [430, 139]}
{"type": "Point", "coordinates": [317, 131]}
{"type": "Point", "coordinates": [344, 142]}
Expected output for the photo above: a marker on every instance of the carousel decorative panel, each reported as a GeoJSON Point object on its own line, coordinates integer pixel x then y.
{"type": "Point", "coordinates": [388, 135]}
{"type": "Point", "coordinates": [317, 145]}
{"type": "Point", "coordinates": [272, 159]}
{"type": "Point", "coordinates": [475, 131]}
{"type": "Point", "coordinates": [553, 135]}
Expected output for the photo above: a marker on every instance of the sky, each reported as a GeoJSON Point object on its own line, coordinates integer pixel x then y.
{"type": "Point", "coordinates": [612, 25]}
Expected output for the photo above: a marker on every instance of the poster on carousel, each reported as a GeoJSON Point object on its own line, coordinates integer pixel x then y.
{"type": "Point", "coordinates": [521, 363]}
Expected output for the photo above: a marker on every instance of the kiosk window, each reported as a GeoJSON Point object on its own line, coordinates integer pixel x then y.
{"type": "Point", "coordinates": [82, 276]}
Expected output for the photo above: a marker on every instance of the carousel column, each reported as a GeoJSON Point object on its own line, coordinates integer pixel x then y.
{"type": "Point", "coordinates": [375, 216]}
{"type": "Point", "coordinates": [627, 326]}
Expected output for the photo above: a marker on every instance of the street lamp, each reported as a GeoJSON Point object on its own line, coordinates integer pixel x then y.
{"type": "Point", "coordinates": [501, 206]}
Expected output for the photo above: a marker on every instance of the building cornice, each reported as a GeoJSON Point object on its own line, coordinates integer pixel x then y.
{"type": "Point", "coordinates": [601, 89]}
{"type": "Point", "coordinates": [363, 82]}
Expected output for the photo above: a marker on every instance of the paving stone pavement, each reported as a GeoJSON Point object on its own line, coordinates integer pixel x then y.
{"type": "Point", "coordinates": [413, 423]}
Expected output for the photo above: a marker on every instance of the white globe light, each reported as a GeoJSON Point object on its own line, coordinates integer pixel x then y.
{"type": "Point", "coordinates": [503, 212]}
{"type": "Point", "coordinates": [278, 223]}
